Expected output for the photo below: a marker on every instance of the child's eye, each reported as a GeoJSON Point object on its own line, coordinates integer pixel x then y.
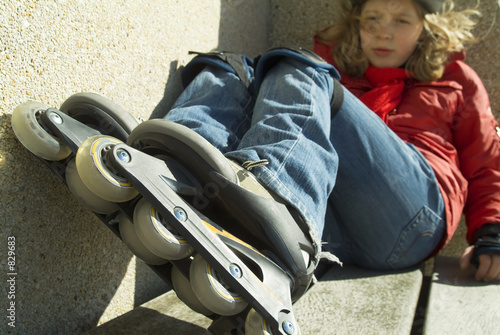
{"type": "Point", "coordinates": [403, 21]}
{"type": "Point", "coordinates": [370, 20]}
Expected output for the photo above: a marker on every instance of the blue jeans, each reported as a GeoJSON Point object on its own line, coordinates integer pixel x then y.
{"type": "Point", "coordinates": [383, 206]}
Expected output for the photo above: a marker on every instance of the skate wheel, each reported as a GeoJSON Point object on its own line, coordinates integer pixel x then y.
{"type": "Point", "coordinates": [132, 241]}
{"type": "Point", "coordinates": [256, 325]}
{"type": "Point", "coordinates": [96, 175]}
{"type": "Point", "coordinates": [184, 291]}
{"type": "Point", "coordinates": [212, 291]}
{"type": "Point", "coordinates": [33, 136]}
{"type": "Point", "coordinates": [84, 195]}
{"type": "Point", "coordinates": [100, 113]}
{"type": "Point", "coordinates": [158, 235]}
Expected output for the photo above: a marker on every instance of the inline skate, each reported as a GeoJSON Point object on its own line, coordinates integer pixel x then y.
{"type": "Point", "coordinates": [227, 246]}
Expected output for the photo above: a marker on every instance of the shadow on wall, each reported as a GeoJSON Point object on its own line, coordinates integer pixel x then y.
{"type": "Point", "coordinates": [66, 271]}
{"type": "Point", "coordinates": [70, 269]}
{"type": "Point", "coordinates": [243, 28]}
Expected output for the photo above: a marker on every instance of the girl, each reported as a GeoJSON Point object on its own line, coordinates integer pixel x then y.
{"type": "Point", "coordinates": [413, 144]}
{"type": "Point", "coordinates": [403, 59]}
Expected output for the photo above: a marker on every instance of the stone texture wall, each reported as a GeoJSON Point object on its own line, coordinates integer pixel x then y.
{"type": "Point", "coordinates": [72, 273]}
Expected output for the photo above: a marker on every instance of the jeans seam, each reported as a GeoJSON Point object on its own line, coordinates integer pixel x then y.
{"type": "Point", "coordinates": [309, 115]}
{"type": "Point", "coordinates": [274, 179]}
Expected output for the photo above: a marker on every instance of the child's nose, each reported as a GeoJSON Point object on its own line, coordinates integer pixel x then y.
{"type": "Point", "coordinates": [385, 30]}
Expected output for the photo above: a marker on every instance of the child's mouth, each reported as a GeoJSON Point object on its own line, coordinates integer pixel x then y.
{"type": "Point", "coordinates": [382, 52]}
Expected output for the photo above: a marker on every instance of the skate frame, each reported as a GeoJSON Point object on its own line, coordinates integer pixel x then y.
{"type": "Point", "coordinates": [153, 179]}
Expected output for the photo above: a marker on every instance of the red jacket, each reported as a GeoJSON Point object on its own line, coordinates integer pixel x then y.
{"type": "Point", "coordinates": [450, 122]}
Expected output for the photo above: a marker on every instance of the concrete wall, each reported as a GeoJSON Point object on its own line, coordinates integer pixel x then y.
{"type": "Point", "coordinates": [72, 273]}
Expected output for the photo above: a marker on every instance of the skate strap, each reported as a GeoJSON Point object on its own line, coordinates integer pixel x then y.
{"type": "Point", "coordinates": [231, 62]}
{"type": "Point", "coordinates": [338, 98]}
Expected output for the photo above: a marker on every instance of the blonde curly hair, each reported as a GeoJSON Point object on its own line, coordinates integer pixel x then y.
{"type": "Point", "coordinates": [444, 33]}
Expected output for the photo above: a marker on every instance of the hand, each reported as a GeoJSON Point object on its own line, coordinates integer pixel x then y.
{"type": "Point", "coordinates": [489, 265]}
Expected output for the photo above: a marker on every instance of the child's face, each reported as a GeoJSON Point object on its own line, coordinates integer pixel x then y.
{"type": "Point", "coordinates": [390, 30]}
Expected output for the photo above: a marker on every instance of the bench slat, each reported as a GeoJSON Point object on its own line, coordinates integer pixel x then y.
{"type": "Point", "coordinates": [352, 300]}
{"type": "Point", "coordinates": [348, 300]}
{"type": "Point", "coordinates": [458, 304]}
{"type": "Point", "coordinates": [165, 314]}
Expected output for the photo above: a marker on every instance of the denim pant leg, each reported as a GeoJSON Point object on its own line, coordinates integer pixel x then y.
{"type": "Point", "coordinates": [291, 129]}
{"type": "Point", "coordinates": [217, 106]}
{"type": "Point", "coordinates": [386, 211]}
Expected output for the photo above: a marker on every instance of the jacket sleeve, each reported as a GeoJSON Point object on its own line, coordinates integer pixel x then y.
{"type": "Point", "coordinates": [477, 139]}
